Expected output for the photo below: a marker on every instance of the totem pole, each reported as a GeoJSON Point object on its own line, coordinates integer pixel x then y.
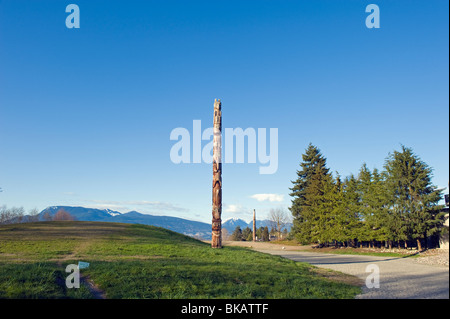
{"type": "Point", "coordinates": [254, 225]}
{"type": "Point", "coordinates": [216, 241]}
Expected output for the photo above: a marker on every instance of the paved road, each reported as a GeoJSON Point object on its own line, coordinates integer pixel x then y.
{"type": "Point", "coordinates": [399, 277]}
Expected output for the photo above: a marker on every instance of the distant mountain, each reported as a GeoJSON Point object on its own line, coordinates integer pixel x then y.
{"type": "Point", "coordinates": [231, 224]}
{"type": "Point", "coordinates": [179, 225]}
{"type": "Point", "coordinates": [82, 213]}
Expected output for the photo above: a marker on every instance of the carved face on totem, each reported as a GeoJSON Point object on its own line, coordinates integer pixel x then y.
{"type": "Point", "coordinates": [217, 104]}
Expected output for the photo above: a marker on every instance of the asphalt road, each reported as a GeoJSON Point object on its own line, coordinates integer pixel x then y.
{"type": "Point", "coordinates": [399, 278]}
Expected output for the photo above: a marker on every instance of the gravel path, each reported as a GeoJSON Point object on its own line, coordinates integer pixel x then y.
{"type": "Point", "coordinates": [398, 277]}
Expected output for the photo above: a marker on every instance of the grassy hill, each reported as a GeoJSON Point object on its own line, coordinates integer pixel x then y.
{"type": "Point", "coordinates": [138, 261]}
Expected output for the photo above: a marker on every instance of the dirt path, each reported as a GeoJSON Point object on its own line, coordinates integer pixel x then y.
{"type": "Point", "coordinates": [95, 291]}
{"type": "Point", "coordinates": [399, 277]}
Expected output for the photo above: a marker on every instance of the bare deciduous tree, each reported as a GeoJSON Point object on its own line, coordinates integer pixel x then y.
{"type": "Point", "coordinates": [47, 217]}
{"type": "Point", "coordinates": [225, 234]}
{"type": "Point", "coordinates": [33, 215]}
{"type": "Point", "coordinates": [11, 215]}
{"type": "Point", "coordinates": [278, 218]}
{"type": "Point", "coordinates": [63, 215]}
{"type": "Point", "coordinates": [4, 215]}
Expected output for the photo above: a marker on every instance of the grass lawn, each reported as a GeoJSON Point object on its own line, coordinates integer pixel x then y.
{"type": "Point", "coordinates": [137, 261]}
{"type": "Point", "coordinates": [349, 250]}
{"type": "Point", "coordinates": [357, 251]}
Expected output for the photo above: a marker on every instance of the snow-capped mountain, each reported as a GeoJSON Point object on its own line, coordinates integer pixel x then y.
{"type": "Point", "coordinates": [231, 224]}
{"type": "Point", "coordinates": [112, 212]}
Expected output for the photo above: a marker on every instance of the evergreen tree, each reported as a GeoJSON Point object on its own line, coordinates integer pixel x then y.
{"type": "Point", "coordinates": [380, 204]}
{"type": "Point", "coordinates": [247, 233]}
{"type": "Point", "coordinates": [415, 199]}
{"type": "Point", "coordinates": [306, 193]}
{"type": "Point", "coordinates": [259, 232]}
{"type": "Point", "coordinates": [320, 206]}
{"type": "Point", "coordinates": [237, 234]}
{"type": "Point", "coordinates": [372, 205]}
{"type": "Point", "coordinates": [345, 221]}
{"type": "Point", "coordinates": [367, 206]}
{"type": "Point", "coordinates": [398, 204]}
{"type": "Point", "coordinates": [352, 200]}
{"type": "Point", "coordinates": [265, 234]}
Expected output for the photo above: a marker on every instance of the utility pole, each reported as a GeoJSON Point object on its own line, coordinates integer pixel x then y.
{"type": "Point", "coordinates": [254, 225]}
{"type": "Point", "coordinates": [216, 241]}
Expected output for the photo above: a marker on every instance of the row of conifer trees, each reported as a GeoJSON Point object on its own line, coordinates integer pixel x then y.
{"type": "Point", "coordinates": [397, 205]}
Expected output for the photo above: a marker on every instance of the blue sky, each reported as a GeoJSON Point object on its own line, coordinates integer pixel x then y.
{"type": "Point", "coordinates": [86, 114]}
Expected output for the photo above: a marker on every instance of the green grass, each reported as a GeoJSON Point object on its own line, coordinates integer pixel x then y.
{"type": "Point", "coordinates": [137, 261]}
{"type": "Point", "coordinates": [36, 281]}
{"type": "Point", "coordinates": [355, 251]}
{"type": "Point", "coordinates": [348, 251]}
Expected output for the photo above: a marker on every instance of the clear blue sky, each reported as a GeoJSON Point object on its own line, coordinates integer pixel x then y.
{"type": "Point", "coordinates": [86, 114]}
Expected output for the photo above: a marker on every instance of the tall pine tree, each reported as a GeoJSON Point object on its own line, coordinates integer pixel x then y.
{"type": "Point", "coordinates": [373, 205]}
{"type": "Point", "coordinates": [353, 208]}
{"type": "Point", "coordinates": [307, 194]}
{"type": "Point", "coordinates": [414, 198]}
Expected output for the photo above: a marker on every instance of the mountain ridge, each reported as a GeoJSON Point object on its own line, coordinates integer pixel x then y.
{"type": "Point", "coordinates": [187, 227]}
{"type": "Point", "coordinates": [184, 226]}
